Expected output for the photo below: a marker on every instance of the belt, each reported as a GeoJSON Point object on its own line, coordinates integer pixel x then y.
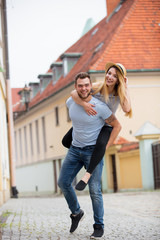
{"type": "Point", "coordinates": [84, 148]}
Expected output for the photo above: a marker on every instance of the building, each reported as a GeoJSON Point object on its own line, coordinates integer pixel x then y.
{"type": "Point", "coordinates": [127, 35]}
{"type": "Point", "coordinates": [7, 161]}
{"type": "Point", "coordinates": [4, 145]}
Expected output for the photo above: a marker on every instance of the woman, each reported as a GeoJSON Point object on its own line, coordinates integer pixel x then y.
{"type": "Point", "coordinates": [113, 91]}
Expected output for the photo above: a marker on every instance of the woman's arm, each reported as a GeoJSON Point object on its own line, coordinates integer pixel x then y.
{"type": "Point", "coordinates": [126, 106]}
{"type": "Point", "coordinates": [88, 107]}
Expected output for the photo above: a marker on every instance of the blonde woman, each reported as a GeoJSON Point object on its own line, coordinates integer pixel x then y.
{"type": "Point", "coordinates": [113, 91]}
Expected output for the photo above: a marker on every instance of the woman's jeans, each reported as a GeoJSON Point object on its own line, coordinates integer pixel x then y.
{"type": "Point", "coordinates": [75, 159]}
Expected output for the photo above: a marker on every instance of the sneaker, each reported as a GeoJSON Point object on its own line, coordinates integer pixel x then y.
{"type": "Point", "coordinates": [75, 220]}
{"type": "Point", "coordinates": [98, 232]}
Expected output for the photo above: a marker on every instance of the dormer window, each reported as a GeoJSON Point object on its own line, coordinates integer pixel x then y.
{"type": "Point", "coordinates": [69, 60]}
{"type": "Point", "coordinates": [94, 31]}
{"type": "Point", "coordinates": [45, 79]}
{"type": "Point", "coordinates": [118, 7]}
{"type": "Point", "coordinates": [35, 87]}
{"type": "Point", "coordinates": [57, 70]}
{"type": "Point", "coordinates": [98, 47]}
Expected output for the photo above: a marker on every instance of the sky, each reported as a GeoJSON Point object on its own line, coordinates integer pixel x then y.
{"type": "Point", "coordinates": [39, 31]}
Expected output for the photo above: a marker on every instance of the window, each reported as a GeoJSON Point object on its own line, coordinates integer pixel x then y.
{"type": "Point", "coordinates": [15, 140]}
{"type": "Point", "coordinates": [44, 134]}
{"type": "Point", "coordinates": [68, 117]}
{"type": "Point", "coordinates": [31, 138]}
{"type": "Point", "coordinates": [57, 116]}
{"type": "Point", "coordinates": [25, 141]}
{"type": "Point", "coordinates": [37, 136]}
{"type": "Point", "coordinates": [69, 60]}
{"type": "Point", "coordinates": [57, 69]}
{"type": "Point", "coordinates": [20, 143]}
{"type": "Point", "coordinates": [94, 31]}
{"type": "Point", "coordinates": [45, 79]}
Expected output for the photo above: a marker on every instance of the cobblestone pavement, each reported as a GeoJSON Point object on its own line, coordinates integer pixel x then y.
{"type": "Point", "coordinates": [128, 216]}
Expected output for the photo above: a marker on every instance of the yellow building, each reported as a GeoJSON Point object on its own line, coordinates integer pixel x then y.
{"type": "Point", "coordinates": [123, 168]}
{"type": "Point", "coordinates": [41, 123]}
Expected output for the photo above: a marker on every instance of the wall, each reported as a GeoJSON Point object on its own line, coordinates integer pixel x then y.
{"type": "Point", "coordinates": [4, 149]}
{"type": "Point", "coordinates": [36, 178]}
{"type": "Point", "coordinates": [54, 134]}
{"type": "Point", "coordinates": [130, 170]}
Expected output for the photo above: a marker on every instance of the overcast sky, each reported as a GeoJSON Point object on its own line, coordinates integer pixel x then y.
{"type": "Point", "coordinates": [39, 31]}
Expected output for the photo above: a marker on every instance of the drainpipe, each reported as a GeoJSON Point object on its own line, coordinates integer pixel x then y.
{"type": "Point", "coordinates": [14, 191]}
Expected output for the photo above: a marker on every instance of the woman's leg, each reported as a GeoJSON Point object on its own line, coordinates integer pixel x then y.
{"type": "Point", "coordinates": [97, 155]}
{"type": "Point", "coordinates": [67, 139]}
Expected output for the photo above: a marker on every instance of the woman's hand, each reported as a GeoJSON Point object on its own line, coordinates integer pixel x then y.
{"type": "Point", "coordinates": [88, 107]}
{"type": "Point", "coordinates": [126, 82]}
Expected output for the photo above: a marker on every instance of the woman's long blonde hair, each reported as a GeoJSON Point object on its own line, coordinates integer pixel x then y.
{"type": "Point", "coordinates": [119, 89]}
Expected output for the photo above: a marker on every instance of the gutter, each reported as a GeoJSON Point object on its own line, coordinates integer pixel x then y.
{"type": "Point", "coordinates": [14, 191]}
{"type": "Point", "coordinates": [128, 70]}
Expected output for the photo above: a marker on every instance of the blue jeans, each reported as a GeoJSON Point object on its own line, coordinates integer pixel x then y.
{"type": "Point", "coordinates": [75, 159]}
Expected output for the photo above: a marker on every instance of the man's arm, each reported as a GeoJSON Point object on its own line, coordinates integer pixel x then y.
{"type": "Point", "coordinates": [112, 121]}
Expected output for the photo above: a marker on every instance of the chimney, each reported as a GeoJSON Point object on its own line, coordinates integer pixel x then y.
{"type": "Point", "coordinates": [111, 5]}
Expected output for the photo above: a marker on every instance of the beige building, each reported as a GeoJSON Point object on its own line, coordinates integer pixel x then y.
{"type": "Point", "coordinates": [41, 123]}
{"type": "Point", "coordinates": [4, 146]}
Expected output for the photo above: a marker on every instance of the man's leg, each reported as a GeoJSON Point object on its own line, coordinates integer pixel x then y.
{"type": "Point", "coordinates": [69, 170]}
{"type": "Point", "coordinates": [97, 200]}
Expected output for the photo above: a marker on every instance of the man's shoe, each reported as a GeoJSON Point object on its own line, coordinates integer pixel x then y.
{"type": "Point", "coordinates": [98, 232]}
{"type": "Point", "coordinates": [75, 220]}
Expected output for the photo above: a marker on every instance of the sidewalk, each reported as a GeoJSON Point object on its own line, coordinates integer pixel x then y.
{"type": "Point", "coordinates": [128, 216]}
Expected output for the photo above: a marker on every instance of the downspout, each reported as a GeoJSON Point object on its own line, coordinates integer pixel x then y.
{"type": "Point", "coordinates": [14, 191]}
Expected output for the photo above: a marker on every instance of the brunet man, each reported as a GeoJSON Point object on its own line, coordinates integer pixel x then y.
{"type": "Point", "coordinates": [85, 132]}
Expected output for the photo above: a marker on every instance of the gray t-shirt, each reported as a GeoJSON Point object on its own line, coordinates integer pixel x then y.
{"type": "Point", "coordinates": [113, 101]}
{"type": "Point", "coordinates": [86, 128]}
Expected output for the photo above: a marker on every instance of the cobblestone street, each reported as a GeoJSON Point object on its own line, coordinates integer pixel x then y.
{"type": "Point", "coordinates": [128, 216]}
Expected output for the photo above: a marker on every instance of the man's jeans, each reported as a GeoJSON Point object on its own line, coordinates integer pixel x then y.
{"type": "Point", "coordinates": [75, 159]}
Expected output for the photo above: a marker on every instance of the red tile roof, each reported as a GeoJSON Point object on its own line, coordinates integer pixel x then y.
{"type": "Point", "coordinates": [130, 146]}
{"type": "Point", "coordinates": [125, 144]}
{"type": "Point", "coordinates": [130, 36]}
{"type": "Point", "coordinates": [120, 140]}
{"type": "Point", "coordinates": [15, 95]}
{"type": "Point", "coordinates": [136, 42]}
{"type": "Point", "coordinates": [111, 4]}
{"type": "Point", "coordinates": [15, 98]}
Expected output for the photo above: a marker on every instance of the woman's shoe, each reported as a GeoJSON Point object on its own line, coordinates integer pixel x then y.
{"type": "Point", "coordinates": [81, 185]}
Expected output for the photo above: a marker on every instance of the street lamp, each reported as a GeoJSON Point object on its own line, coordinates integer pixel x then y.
{"type": "Point", "coordinates": [25, 96]}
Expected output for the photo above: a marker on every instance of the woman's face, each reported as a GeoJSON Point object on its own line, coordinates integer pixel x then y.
{"type": "Point", "coordinates": [111, 77]}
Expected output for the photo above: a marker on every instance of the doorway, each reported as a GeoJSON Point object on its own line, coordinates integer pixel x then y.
{"type": "Point", "coordinates": [156, 164]}
{"type": "Point", "coordinates": [114, 173]}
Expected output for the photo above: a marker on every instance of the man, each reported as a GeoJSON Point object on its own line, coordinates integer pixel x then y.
{"type": "Point", "coordinates": [85, 132]}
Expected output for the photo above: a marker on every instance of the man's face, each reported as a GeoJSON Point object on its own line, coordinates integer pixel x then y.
{"type": "Point", "coordinates": [83, 87]}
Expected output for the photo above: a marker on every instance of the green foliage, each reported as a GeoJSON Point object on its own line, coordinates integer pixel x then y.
{"type": "Point", "coordinates": [1, 69]}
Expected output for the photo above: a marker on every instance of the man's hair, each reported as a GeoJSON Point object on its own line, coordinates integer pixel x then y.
{"type": "Point", "coordinates": [82, 75]}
